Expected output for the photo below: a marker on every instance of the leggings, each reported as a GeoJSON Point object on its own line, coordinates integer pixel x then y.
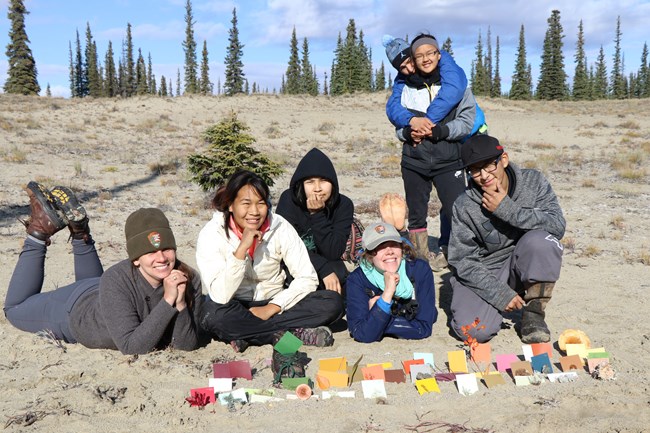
{"type": "Point", "coordinates": [28, 309]}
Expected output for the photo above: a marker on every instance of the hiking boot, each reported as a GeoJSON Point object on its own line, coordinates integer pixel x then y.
{"type": "Point", "coordinates": [533, 326]}
{"type": "Point", "coordinates": [45, 219]}
{"type": "Point", "coordinates": [319, 337]}
{"type": "Point", "coordinates": [438, 261]}
{"type": "Point", "coordinates": [68, 203]}
{"type": "Point", "coordinates": [420, 242]}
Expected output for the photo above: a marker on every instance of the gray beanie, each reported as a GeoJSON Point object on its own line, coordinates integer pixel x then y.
{"type": "Point", "coordinates": [147, 230]}
{"type": "Point", "coordinates": [424, 40]}
{"type": "Point", "coordinates": [397, 50]}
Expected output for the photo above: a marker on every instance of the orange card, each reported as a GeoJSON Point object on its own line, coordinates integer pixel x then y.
{"type": "Point", "coordinates": [482, 353]}
{"type": "Point", "coordinates": [373, 373]}
{"type": "Point", "coordinates": [457, 361]}
{"type": "Point", "coordinates": [331, 379]}
{"type": "Point", "coordinates": [539, 348]}
{"type": "Point", "coordinates": [409, 362]}
{"type": "Point", "coordinates": [333, 364]}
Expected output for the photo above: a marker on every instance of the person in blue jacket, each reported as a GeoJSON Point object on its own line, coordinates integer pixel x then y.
{"type": "Point", "coordinates": [433, 112]}
{"type": "Point", "coordinates": [391, 293]}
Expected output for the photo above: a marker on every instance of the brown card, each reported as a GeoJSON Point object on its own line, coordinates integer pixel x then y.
{"type": "Point", "coordinates": [521, 368]}
{"type": "Point", "coordinates": [573, 362]}
{"type": "Point", "coordinates": [395, 375]}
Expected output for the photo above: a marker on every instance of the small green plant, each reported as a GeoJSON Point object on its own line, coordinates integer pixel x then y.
{"type": "Point", "coordinates": [78, 169]}
{"type": "Point", "coordinates": [228, 151]}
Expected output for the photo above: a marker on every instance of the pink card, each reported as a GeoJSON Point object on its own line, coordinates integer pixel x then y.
{"type": "Point", "coordinates": [233, 369]}
{"type": "Point", "coordinates": [539, 348]}
{"type": "Point", "coordinates": [504, 361]}
{"type": "Point", "coordinates": [373, 373]}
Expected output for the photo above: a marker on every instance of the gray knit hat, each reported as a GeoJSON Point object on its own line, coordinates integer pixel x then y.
{"type": "Point", "coordinates": [397, 50]}
{"type": "Point", "coordinates": [147, 230]}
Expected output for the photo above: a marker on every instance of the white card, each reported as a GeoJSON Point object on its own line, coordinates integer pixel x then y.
{"type": "Point", "coordinates": [527, 350]}
{"type": "Point", "coordinates": [238, 396]}
{"type": "Point", "coordinates": [428, 357]}
{"type": "Point", "coordinates": [373, 388]}
{"type": "Point", "coordinates": [420, 368]}
{"type": "Point", "coordinates": [220, 384]}
{"type": "Point", "coordinates": [568, 376]}
{"type": "Point", "coordinates": [467, 384]}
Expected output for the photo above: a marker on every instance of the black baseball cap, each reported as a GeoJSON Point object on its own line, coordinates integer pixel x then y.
{"type": "Point", "coordinates": [479, 148]}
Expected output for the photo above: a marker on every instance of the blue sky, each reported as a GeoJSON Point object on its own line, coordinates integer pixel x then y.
{"type": "Point", "coordinates": [265, 29]}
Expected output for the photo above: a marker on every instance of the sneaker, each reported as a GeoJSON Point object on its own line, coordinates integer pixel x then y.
{"type": "Point", "coordinates": [239, 346]}
{"type": "Point", "coordinates": [68, 203]}
{"type": "Point", "coordinates": [45, 219]}
{"type": "Point", "coordinates": [319, 337]}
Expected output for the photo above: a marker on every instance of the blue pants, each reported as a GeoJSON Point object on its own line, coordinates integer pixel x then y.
{"type": "Point", "coordinates": [537, 258]}
{"type": "Point", "coordinates": [30, 310]}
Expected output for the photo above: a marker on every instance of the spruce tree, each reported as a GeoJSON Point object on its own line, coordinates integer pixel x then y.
{"type": "Point", "coordinates": [80, 75]}
{"type": "Point", "coordinates": [129, 64]}
{"type": "Point", "coordinates": [91, 66]}
{"type": "Point", "coordinates": [487, 63]}
{"type": "Point", "coordinates": [325, 89]}
{"type": "Point", "coordinates": [163, 86]}
{"type": "Point", "coordinates": [205, 85]}
{"type": "Point", "coordinates": [335, 82]}
{"type": "Point", "coordinates": [496, 81]}
{"type": "Point", "coordinates": [170, 88]}
{"type": "Point", "coordinates": [365, 64]}
{"type": "Point", "coordinates": [141, 75]}
{"type": "Point", "coordinates": [352, 64]}
{"type": "Point", "coordinates": [48, 91]}
{"type": "Point", "coordinates": [246, 88]}
{"type": "Point", "coordinates": [234, 82]}
{"type": "Point", "coordinates": [189, 46]}
{"type": "Point", "coordinates": [21, 73]}
{"type": "Point", "coordinates": [643, 85]}
{"type": "Point", "coordinates": [600, 78]}
{"type": "Point", "coordinates": [552, 79]}
{"type": "Point", "coordinates": [151, 85]}
{"type": "Point", "coordinates": [580, 77]}
{"type": "Point", "coordinates": [178, 82]}
{"type": "Point", "coordinates": [380, 78]}
{"type": "Point", "coordinates": [446, 46]}
{"type": "Point", "coordinates": [72, 76]}
{"type": "Point", "coordinates": [121, 78]}
{"type": "Point", "coordinates": [479, 76]}
{"type": "Point", "coordinates": [110, 75]}
{"type": "Point", "coordinates": [618, 77]}
{"type": "Point", "coordinates": [293, 76]}
{"type": "Point", "coordinates": [308, 82]}
{"type": "Point", "coordinates": [520, 88]}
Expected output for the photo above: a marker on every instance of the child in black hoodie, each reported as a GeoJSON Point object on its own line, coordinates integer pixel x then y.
{"type": "Point", "coordinates": [321, 216]}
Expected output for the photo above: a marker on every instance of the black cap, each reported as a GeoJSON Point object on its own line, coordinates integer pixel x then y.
{"type": "Point", "coordinates": [480, 148]}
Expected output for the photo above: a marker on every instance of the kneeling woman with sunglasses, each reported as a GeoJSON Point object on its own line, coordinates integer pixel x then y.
{"type": "Point", "coordinates": [391, 293]}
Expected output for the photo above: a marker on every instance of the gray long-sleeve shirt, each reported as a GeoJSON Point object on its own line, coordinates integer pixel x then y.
{"type": "Point", "coordinates": [481, 241]}
{"type": "Point", "coordinates": [124, 312]}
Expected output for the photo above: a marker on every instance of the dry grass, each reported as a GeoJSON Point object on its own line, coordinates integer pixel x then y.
{"type": "Point", "coordinates": [588, 183]}
{"type": "Point", "coordinates": [326, 127]}
{"type": "Point", "coordinates": [617, 222]}
{"type": "Point", "coordinates": [542, 146]}
{"type": "Point", "coordinates": [644, 257]}
{"type": "Point", "coordinates": [274, 131]}
{"type": "Point", "coordinates": [569, 243]}
{"type": "Point", "coordinates": [15, 155]}
{"type": "Point", "coordinates": [630, 124]}
{"type": "Point", "coordinates": [592, 251]}
{"type": "Point", "coordinates": [169, 167]}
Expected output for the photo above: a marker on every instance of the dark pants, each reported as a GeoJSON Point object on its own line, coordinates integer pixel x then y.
{"type": "Point", "coordinates": [233, 321]}
{"type": "Point", "coordinates": [417, 188]}
{"type": "Point", "coordinates": [28, 309]}
{"type": "Point", "coordinates": [537, 258]}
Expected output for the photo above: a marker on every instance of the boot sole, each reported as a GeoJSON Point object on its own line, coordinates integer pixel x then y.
{"type": "Point", "coordinates": [67, 202]}
{"type": "Point", "coordinates": [43, 196]}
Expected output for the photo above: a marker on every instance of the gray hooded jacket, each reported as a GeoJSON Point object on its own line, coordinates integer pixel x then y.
{"type": "Point", "coordinates": [481, 241]}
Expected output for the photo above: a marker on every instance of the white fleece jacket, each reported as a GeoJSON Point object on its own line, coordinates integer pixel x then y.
{"type": "Point", "coordinates": [225, 277]}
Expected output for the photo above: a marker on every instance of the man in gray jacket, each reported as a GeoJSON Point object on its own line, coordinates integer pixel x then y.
{"type": "Point", "coordinates": [504, 248]}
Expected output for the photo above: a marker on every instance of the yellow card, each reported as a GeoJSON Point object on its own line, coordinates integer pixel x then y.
{"type": "Point", "coordinates": [577, 349]}
{"type": "Point", "coordinates": [427, 385]}
{"type": "Point", "coordinates": [597, 350]}
{"type": "Point", "coordinates": [385, 365]}
{"type": "Point", "coordinates": [332, 378]}
{"type": "Point", "coordinates": [333, 364]}
{"type": "Point", "coordinates": [457, 361]}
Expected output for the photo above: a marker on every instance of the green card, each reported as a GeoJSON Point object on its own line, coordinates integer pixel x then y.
{"type": "Point", "coordinates": [291, 383]}
{"type": "Point", "coordinates": [597, 355]}
{"type": "Point", "coordinates": [288, 344]}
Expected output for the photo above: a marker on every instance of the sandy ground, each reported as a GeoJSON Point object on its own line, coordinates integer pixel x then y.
{"type": "Point", "coordinates": [124, 154]}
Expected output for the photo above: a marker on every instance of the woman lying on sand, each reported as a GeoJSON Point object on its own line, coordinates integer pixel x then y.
{"type": "Point", "coordinates": [240, 253]}
{"type": "Point", "coordinates": [142, 303]}
{"type": "Point", "coordinates": [391, 293]}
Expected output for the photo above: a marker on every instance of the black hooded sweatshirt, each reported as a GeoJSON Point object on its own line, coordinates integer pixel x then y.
{"type": "Point", "coordinates": [325, 233]}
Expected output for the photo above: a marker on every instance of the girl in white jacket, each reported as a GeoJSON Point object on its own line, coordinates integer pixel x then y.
{"type": "Point", "coordinates": [240, 254]}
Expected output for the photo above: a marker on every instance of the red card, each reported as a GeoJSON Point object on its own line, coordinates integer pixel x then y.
{"type": "Point", "coordinates": [539, 348]}
{"type": "Point", "coordinates": [206, 392]}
